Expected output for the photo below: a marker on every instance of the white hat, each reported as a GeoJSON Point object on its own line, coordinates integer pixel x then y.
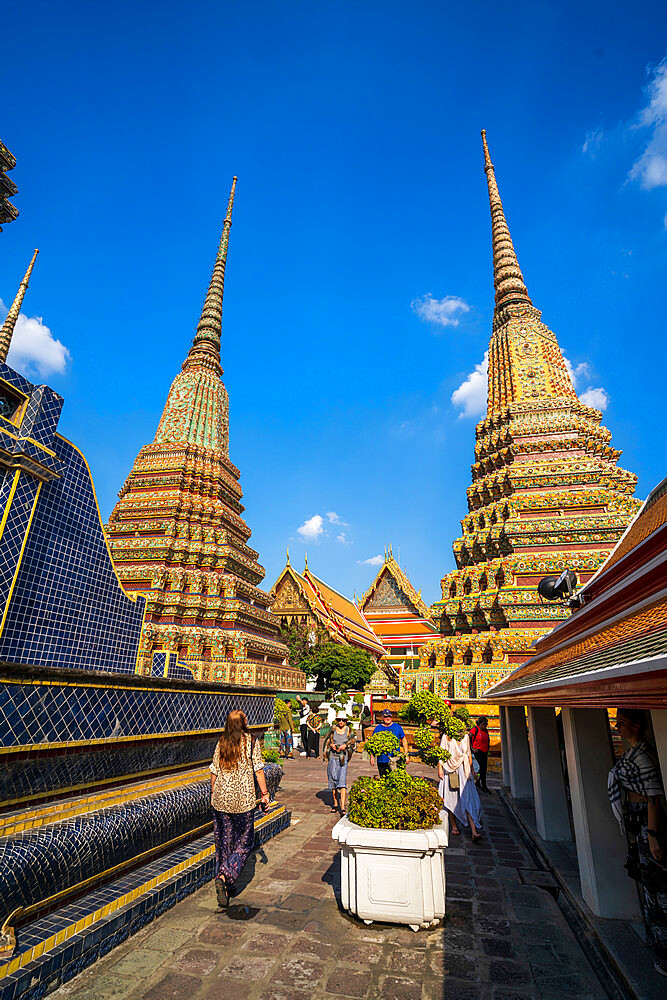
{"type": "Point", "coordinates": [341, 715]}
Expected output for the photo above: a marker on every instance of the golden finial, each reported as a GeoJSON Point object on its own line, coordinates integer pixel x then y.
{"type": "Point", "coordinates": [306, 566]}
{"type": "Point", "coordinates": [209, 327]}
{"type": "Point", "coordinates": [13, 314]}
{"type": "Point", "coordinates": [288, 555]}
{"type": "Point", "coordinates": [487, 158]}
{"type": "Point", "coordinates": [507, 277]}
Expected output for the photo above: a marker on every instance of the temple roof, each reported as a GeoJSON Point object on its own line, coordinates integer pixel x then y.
{"type": "Point", "coordinates": [339, 616]}
{"type": "Point", "coordinates": [390, 567]}
{"type": "Point", "coordinates": [614, 647]}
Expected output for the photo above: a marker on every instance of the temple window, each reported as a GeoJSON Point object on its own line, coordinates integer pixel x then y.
{"type": "Point", "coordinates": [467, 586]}
{"type": "Point", "coordinates": [483, 582]}
{"type": "Point", "coordinates": [487, 655]}
{"type": "Point", "coordinates": [431, 660]}
{"type": "Point", "coordinates": [467, 658]}
{"type": "Point", "coordinates": [449, 660]}
{"type": "Point", "coordinates": [452, 590]}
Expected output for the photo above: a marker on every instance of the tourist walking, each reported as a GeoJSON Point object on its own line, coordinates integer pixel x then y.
{"type": "Point", "coordinates": [237, 761]}
{"type": "Point", "coordinates": [314, 725]}
{"type": "Point", "coordinates": [304, 715]}
{"type": "Point", "coordinates": [480, 742]}
{"type": "Point", "coordinates": [286, 726]}
{"type": "Point", "coordinates": [340, 742]}
{"type": "Point", "coordinates": [389, 726]}
{"type": "Point", "coordinates": [457, 786]}
{"type": "Point", "coordinates": [635, 786]}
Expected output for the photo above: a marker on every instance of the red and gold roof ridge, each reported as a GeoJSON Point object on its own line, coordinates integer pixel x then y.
{"type": "Point", "coordinates": [391, 567]}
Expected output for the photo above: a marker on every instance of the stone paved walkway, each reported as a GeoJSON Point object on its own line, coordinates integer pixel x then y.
{"type": "Point", "coordinates": [286, 939]}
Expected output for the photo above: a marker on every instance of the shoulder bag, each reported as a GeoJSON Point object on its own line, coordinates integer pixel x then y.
{"type": "Point", "coordinates": [454, 783]}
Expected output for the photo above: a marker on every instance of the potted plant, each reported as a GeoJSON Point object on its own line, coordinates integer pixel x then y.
{"type": "Point", "coordinates": [392, 845]}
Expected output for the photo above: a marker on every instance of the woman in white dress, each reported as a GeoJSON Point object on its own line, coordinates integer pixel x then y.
{"type": "Point", "coordinates": [459, 793]}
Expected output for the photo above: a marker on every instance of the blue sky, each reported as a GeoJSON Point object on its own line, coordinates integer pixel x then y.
{"type": "Point", "coordinates": [359, 292]}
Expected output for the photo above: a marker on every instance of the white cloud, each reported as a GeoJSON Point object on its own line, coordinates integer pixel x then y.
{"type": "Point", "coordinates": [312, 528]}
{"type": "Point", "coordinates": [578, 374]}
{"type": "Point", "coordinates": [650, 169]}
{"type": "Point", "coordinates": [593, 141]}
{"type": "Point", "coordinates": [333, 518]}
{"type": "Point", "coordinates": [34, 349]}
{"type": "Point", "coordinates": [442, 312]}
{"type": "Point", "coordinates": [592, 396]}
{"type": "Point", "coordinates": [471, 394]}
{"type": "Point", "coordinates": [343, 539]}
{"type": "Point", "coordinates": [595, 397]}
{"type": "Point", "coordinates": [373, 561]}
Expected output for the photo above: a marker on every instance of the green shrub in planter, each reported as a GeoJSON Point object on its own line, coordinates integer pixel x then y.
{"type": "Point", "coordinates": [427, 748]}
{"type": "Point", "coordinates": [270, 754]}
{"type": "Point", "coordinates": [397, 802]}
{"type": "Point", "coordinates": [280, 708]}
{"type": "Point", "coordinates": [423, 707]}
{"type": "Point", "coordinates": [380, 743]}
{"type": "Point", "coordinates": [462, 713]}
{"type": "Point", "coordinates": [454, 727]}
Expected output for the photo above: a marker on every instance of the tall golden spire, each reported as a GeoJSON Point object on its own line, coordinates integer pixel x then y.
{"type": "Point", "coordinates": [507, 277]}
{"type": "Point", "coordinates": [13, 314]}
{"type": "Point", "coordinates": [209, 328]}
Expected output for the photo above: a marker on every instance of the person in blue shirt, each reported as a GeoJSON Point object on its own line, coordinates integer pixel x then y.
{"type": "Point", "coordinates": [388, 726]}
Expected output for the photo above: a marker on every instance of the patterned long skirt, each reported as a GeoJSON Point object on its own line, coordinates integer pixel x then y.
{"type": "Point", "coordinates": [652, 882]}
{"type": "Point", "coordinates": [234, 836]}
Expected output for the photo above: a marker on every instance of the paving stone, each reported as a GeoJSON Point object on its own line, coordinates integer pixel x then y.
{"type": "Point", "coordinates": [173, 986]}
{"type": "Point", "coordinates": [219, 932]}
{"type": "Point", "coordinates": [268, 943]}
{"type": "Point", "coordinates": [362, 953]}
{"type": "Point", "coordinates": [508, 973]}
{"type": "Point", "coordinates": [286, 920]}
{"type": "Point", "coordinates": [405, 960]}
{"type": "Point", "coordinates": [222, 986]}
{"type": "Point", "coordinates": [298, 969]}
{"type": "Point", "coordinates": [307, 944]}
{"type": "Point", "coordinates": [139, 962]}
{"type": "Point", "coordinates": [248, 967]}
{"type": "Point", "coordinates": [455, 964]}
{"type": "Point", "coordinates": [195, 961]}
{"type": "Point", "coordinates": [400, 989]}
{"type": "Point", "coordinates": [453, 989]}
{"type": "Point", "coordinates": [499, 947]}
{"type": "Point", "coordinates": [286, 874]}
{"type": "Point", "coordinates": [350, 984]}
{"type": "Point", "coordinates": [559, 981]}
{"type": "Point", "coordinates": [298, 902]}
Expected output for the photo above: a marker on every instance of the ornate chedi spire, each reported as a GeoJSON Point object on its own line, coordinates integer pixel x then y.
{"type": "Point", "coordinates": [507, 277]}
{"type": "Point", "coordinates": [177, 534]}
{"type": "Point", "coordinates": [209, 328]}
{"type": "Point", "coordinates": [10, 321]}
{"type": "Point", "coordinates": [525, 361]}
{"type": "Point", "coordinates": [546, 495]}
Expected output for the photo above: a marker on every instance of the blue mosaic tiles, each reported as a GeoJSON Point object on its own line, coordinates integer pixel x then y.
{"type": "Point", "coordinates": [166, 664]}
{"type": "Point", "coordinates": [61, 603]}
{"type": "Point", "coordinates": [61, 961]}
{"type": "Point", "coordinates": [35, 777]}
{"type": "Point", "coordinates": [54, 711]}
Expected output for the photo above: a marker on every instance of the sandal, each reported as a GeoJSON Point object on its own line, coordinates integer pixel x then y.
{"type": "Point", "coordinates": [221, 893]}
{"type": "Point", "coordinates": [455, 833]}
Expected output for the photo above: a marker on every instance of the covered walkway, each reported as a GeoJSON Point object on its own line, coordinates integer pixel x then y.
{"type": "Point", "coordinates": [504, 937]}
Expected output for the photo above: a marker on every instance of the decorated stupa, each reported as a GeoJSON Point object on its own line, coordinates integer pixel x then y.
{"type": "Point", "coordinates": [177, 533]}
{"type": "Point", "coordinates": [546, 495]}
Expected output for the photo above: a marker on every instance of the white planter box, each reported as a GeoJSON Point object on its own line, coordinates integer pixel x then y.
{"type": "Point", "coordinates": [396, 876]}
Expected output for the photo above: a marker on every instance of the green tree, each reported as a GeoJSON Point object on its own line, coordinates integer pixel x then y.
{"type": "Point", "coordinates": [341, 667]}
{"type": "Point", "coordinates": [302, 643]}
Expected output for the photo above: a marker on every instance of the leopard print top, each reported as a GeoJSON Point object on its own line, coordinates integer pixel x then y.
{"type": "Point", "coordinates": [234, 791]}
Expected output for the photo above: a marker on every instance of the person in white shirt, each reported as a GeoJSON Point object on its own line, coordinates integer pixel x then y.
{"type": "Point", "coordinates": [304, 715]}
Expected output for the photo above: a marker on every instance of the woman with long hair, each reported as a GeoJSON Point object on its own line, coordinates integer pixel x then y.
{"type": "Point", "coordinates": [635, 790]}
{"type": "Point", "coordinates": [237, 761]}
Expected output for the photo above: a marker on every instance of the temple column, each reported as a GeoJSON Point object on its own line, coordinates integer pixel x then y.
{"type": "Point", "coordinates": [504, 749]}
{"type": "Point", "coordinates": [659, 720]}
{"type": "Point", "coordinates": [551, 813]}
{"type": "Point", "coordinates": [521, 782]}
{"type": "Point", "coordinates": [601, 848]}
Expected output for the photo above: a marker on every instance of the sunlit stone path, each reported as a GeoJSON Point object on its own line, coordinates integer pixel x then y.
{"type": "Point", "coordinates": [286, 939]}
